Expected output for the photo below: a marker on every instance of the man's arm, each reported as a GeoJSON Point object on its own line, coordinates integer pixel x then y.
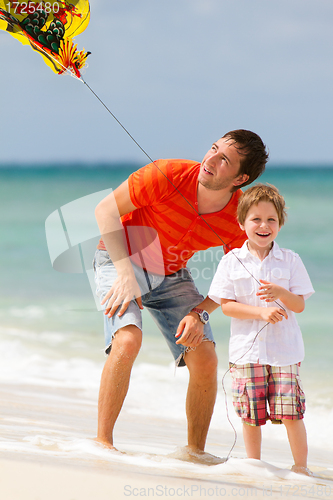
{"type": "Point", "coordinates": [107, 213]}
{"type": "Point", "coordinates": [191, 329]}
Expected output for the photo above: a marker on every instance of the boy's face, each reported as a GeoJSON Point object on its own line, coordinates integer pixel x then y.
{"type": "Point", "coordinates": [261, 225]}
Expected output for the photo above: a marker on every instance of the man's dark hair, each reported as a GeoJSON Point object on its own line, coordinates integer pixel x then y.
{"type": "Point", "coordinates": [253, 154]}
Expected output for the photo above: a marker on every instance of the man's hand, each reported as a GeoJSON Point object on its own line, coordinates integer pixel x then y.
{"type": "Point", "coordinates": [190, 330]}
{"type": "Point", "coordinates": [122, 292]}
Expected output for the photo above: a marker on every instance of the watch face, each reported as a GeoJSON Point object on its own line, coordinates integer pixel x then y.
{"type": "Point", "coordinates": [205, 316]}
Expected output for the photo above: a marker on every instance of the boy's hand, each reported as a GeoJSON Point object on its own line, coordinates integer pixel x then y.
{"type": "Point", "coordinates": [273, 314]}
{"type": "Point", "coordinates": [270, 291]}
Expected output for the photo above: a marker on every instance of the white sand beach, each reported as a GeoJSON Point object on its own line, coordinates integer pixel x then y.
{"type": "Point", "coordinates": [36, 480]}
{"type": "Point", "coordinates": [48, 452]}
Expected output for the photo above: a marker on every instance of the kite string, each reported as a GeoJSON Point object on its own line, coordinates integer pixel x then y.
{"type": "Point", "coordinates": [118, 121]}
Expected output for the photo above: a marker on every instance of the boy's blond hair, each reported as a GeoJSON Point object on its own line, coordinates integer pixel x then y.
{"type": "Point", "coordinates": [257, 193]}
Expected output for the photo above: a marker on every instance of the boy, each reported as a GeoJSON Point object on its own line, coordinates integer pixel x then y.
{"type": "Point", "coordinates": [262, 287]}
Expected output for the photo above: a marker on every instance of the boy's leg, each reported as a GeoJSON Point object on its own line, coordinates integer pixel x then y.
{"type": "Point", "coordinates": [252, 440]}
{"type": "Point", "coordinates": [298, 442]}
{"type": "Point", "coordinates": [287, 404]}
{"type": "Point", "coordinates": [249, 388]}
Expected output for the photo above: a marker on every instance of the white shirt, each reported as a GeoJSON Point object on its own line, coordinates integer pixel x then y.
{"type": "Point", "coordinates": [276, 345]}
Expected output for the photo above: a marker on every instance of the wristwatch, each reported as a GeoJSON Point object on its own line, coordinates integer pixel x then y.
{"type": "Point", "coordinates": [203, 315]}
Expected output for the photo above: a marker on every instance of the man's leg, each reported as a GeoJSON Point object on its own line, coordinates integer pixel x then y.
{"type": "Point", "coordinates": [201, 394]}
{"type": "Point", "coordinates": [115, 380]}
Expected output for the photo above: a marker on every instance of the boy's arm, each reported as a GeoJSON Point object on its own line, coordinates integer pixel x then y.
{"type": "Point", "coordinates": [271, 292]}
{"type": "Point", "coordinates": [244, 311]}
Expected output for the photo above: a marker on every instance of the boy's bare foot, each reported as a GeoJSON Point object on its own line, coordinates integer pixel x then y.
{"type": "Point", "coordinates": [301, 470]}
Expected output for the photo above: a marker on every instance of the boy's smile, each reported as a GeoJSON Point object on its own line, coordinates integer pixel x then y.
{"type": "Point", "coordinates": [261, 226]}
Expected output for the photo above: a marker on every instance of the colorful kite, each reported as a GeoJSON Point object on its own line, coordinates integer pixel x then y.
{"type": "Point", "coordinates": [49, 28]}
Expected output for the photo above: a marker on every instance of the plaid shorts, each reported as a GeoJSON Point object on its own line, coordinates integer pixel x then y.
{"type": "Point", "coordinates": [254, 385]}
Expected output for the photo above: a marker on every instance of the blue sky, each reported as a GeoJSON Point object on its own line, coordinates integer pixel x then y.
{"type": "Point", "coordinates": [178, 75]}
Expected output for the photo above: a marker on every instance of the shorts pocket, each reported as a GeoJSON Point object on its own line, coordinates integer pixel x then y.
{"type": "Point", "coordinates": [241, 400]}
{"type": "Point", "coordinates": [300, 396]}
{"type": "Point", "coordinates": [185, 274]}
{"type": "Point", "coordinates": [101, 258]}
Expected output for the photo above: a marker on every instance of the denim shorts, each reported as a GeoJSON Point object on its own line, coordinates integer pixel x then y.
{"type": "Point", "coordinates": [167, 298]}
{"type": "Point", "coordinates": [255, 385]}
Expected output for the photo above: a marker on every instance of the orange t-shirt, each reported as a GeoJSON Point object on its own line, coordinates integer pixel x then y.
{"type": "Point", "coordinates": [162, 211]}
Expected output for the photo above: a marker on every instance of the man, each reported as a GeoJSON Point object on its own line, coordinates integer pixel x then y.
{"type": "Point", "coordinates": [190, 207]}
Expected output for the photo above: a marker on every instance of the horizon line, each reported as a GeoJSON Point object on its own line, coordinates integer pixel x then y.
{"type": "Point", "coordinates": [104, 165]}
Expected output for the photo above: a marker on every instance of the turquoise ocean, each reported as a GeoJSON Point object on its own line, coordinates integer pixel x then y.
{"type": "Point", "coordinates": [51, 333]}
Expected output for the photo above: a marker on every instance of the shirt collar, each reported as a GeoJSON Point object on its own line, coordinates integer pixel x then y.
{"type": "Point", "coordinates": [244, 251]}
{"type": "Point", "coordinates": [276, 252]}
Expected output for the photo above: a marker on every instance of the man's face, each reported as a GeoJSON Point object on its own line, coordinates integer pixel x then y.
{"type": "Point", "coordinates": [220, 166]}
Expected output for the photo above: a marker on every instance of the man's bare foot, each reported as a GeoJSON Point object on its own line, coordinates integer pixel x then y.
{"type": "Point", "coordinates": [105, 444]}
{"type": "Point", "coordinates": [301, 470]}
{"type": "Point", "coordinates": [196, 456]}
